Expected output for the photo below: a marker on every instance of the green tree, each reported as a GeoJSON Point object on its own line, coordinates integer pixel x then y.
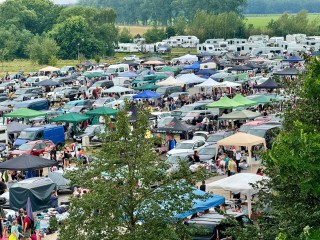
{"type": "Point", "coordinates": [123, 201]}
{"type": "Point", "coordinates": [125, 36]}
{"type": "Point", "coordinates": [42, 50]}
{"type": "Point", "coordinates": [180, 25]}
{"type": "Point", "coordinates": [154, 34]}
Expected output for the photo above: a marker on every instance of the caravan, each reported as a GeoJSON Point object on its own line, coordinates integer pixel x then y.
{"type": "Point", "coordinates": [118, 68]}
{"type": "Point", "coordinates": [128, 48]}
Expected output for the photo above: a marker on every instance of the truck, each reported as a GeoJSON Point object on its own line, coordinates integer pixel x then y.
{"type": "Point", "coordinates": [45, 132]}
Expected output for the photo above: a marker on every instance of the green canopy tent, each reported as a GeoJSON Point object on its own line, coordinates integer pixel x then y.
{"type": "Point", "coordinates": [240, 115]}
{"type": "Point", "coordinates": [169, 69]}
{"type": "Point", "coordinates": [24, 113]}
{"type": "Point", "coordinates": [149, 86]}
{"type": "Point", "coordinates": [241, 99]}
{"type": "Point", "coordinates": [157, 78]}
{"type": "Point", "coordinates": [261, 99]}
{"type": "Point", "coordinates": [101, 111]}
{"type": "Point", "coordinates": [225, 103]}
{"type": "Point", "coordinates": [71, 118]}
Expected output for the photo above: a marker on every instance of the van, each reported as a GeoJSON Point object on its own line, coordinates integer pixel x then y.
{"type": "Point", "coordinates": [34, 104]}
{"type": "Point", "coordinates": [67, 69]}
{"type": "Point", "coordinates": [197, 106]}
{"type": "Point", "coordinates": [31, 81]}
{"type": "Point", "coordinates": [168, 90]}
{"type": "Point", "coordinates": [45, 132]}
{"type": "Point", "coordinates": [118, 68]}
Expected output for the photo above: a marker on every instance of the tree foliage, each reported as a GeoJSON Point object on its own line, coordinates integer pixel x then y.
{"type": "Point", "coordinates": [155, 34]}
{"type": "Point", "coordinates": [130, 196]}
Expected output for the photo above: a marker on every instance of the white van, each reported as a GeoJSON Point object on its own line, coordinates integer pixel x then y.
{"type": "Point", "coordinates": [118, 68]}
{"type": "Point", "coordinates": [121, 81]}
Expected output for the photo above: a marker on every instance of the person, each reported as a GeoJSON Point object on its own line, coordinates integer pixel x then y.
{"type": "Point", "coordinates": [37, 227]}
{"type": "Point", "coordinates": [80, 153]}
{"type": "Point", "coordinates": [259, 172]}
{"type": "Point", "coordinates": [195, 157]}
{"type": "Point", "coordinates": [204, 123]}
{"type": "Point", "coordinates": [227, 166]}
{"type": "Point", "coordinates": [232, 167]}
{"type": "Point", "coordinates": [53, 154]}
{"type": "Point", "coordinates": [14, 231]}
{"type": "Point", "coordinates": [54, 199]}
{"type": "Point", "coordinates": [66, 156]}
{"type": "Point", "coordinates": [238, 159]}
{"type": "Point", "coordinates": [203, 186]}
{"type": "Point", "coordinates": [26, 227]}
{"type": "Point", "coordinates": [3, 187]}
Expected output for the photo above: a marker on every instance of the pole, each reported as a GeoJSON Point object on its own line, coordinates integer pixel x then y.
{"type": "Point", "coordinates": [79, 52]}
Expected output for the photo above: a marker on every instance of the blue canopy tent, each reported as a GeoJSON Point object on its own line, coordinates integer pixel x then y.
{"type": "Point", "coordinates": [207, 72]}
{"type": "Point", "coordinates": [201, 205]}
{"type": "Point", "coordinates": [293, 59]}
{"type": "Point", "coordinates": [315, 53]}
{"type": "Point", "coordinates": [195, 66]}
{"type": "Point", "coordinates": [147, 94]}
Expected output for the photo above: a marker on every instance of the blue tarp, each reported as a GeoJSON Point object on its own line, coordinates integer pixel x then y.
{"type": "Point", "coordinates": [315, 54]}
{"type": "Point", "coordinates": [293, 58]}
{"type": "Point", "coordinates": [207, 72]}
{"type": "Point", "coordinates": [202, 205]}
{"type": "Point", "coordinates": [195, 66]}
{"type": "Point", "coordinates": [147, 94]}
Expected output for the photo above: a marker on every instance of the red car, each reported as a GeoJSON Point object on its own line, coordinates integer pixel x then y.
{"type": "Point", "coordinates": [33, 148]}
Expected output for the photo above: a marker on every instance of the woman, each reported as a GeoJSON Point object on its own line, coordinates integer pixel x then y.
{"type": "Point", "coordinates": [37, 227]}
{"type": "Point", "coordinates": [14, 231]}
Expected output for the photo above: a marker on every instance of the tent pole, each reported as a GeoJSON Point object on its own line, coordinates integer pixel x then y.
{"type": "Point", "coordinates": [250, 156]}
{"type": "Point", "coordinates": [249, 206]}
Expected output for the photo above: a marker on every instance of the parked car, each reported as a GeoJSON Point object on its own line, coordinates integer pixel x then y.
{"type": "Point", "coordinates": [33, 148]}
{"type": "Point", "coordinates": [188, 146]}
{"type": "Point", "coordinates": [86, 103]}
{"type": "Point", "coordinates": [198, 114]}
{"type": "Point", "coordinates": [120, 102]}
{"type": "Point", "coordinates": [214, 138]}
{"type": "Point", "coordinates": [174, 161]}
{"type": "Point", "coordinates": [31, 81]}
{"type": "Point", "coordinates": [90, 131]}
{"type": "Point", "coordinates": [102, 102]}
{"type": "Point", "coordinates": [67, 70]}
{"type": "Point", "coordinates": [131, 58]}
{"type": "Point", "coordinates": [39, 104]}
{"type": "Point", "coordinates": [29, 90]}
{"type": "Point", "coordinates": [100, 85]}
{"type": "Point", "coordinates": [168, 90]}
{"type": "Point", "coordinates": [269, 132]}
{"type": "Point", "coordinates": [207, 153]}
{"type": "Point", "coordinates": [200, 135]}
{"type": "Point", "coordinates": [175, 95]}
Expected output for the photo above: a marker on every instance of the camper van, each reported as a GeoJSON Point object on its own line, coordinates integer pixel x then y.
{"type": "Point", "coordinates": [184, 41]}
{"type": "Point", "coordinates": [118, 68]}
{"type": "Point", "coordinates": [128, 48]}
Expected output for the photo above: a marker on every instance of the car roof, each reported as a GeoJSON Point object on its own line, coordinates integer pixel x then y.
{"type": "Point", "coordinates": [265, 127]}
{"type": "Point", "coordinates": [191, 141]}
{"type": "Point", "coordinates": [38, 141]}
{"type": "Point", "coordinates": [203, 132]}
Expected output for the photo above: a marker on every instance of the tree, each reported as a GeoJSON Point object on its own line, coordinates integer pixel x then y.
{"type": "Point", "coordinates": [154, 34]}
{"type": "Point", "coordinates": [42, 50]}
{"type": "Point", "coordinates": [125, 36]}
{"type": "Point", "coordinates": [130, 196]}
{"type": "Point", "coordinates": [180, 25]}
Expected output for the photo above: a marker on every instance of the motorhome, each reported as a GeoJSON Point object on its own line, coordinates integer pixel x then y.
{"type": "Point", "coordinates": [185, 41]}
{"type": "Point", "coordinates": [127, 47]}
{"type": "Point", "coordinates": [258, 38]}
{"type": "Point", "coordinates": [118, 68]}
{"type": "Point", "coordinates": [236, 41]}
{"type": "Point", "coordinates": [210, 49]}
{"type": "Point", "coordinates": [267, 50]}
{"type": "Point", "coordinates": [215, 41]}
{"type": "Point", "coordinates": [298, 38]}
{"type": "Point", "coordinates": [247, 48]}
{"type": "Point", "coordinates": [139, 41]}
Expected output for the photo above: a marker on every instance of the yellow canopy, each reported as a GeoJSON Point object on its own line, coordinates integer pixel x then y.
{"type": "Point", "coordinates": [49, 69]}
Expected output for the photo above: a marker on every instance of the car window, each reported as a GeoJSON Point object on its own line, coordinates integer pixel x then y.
{"type": "Point", "coordinates": [42, 145]}
{"type": "Point", "coordinates": [37, 147]}
{"type": "Point", "coordinates": [200, 143]}
{"type": "Point", "coordinates": [39, 135]}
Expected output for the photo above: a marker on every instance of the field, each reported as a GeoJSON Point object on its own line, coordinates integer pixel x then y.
{"type": "Point", "coordinates": [135, 30]}
{"type": "Point", "coordinates": [261, 21]}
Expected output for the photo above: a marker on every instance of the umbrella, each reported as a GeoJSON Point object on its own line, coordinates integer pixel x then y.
{"type": "Point", "coordinates": [240, 115]}
{"type": "Point", "coordinates": [102, 111]}
{"type": "Point", "coordinates": [147, 94]}
{"type": "Point", "coordinates": [269, 84]}
{"type": "Point", "coordinates": [225, 102]}
{"type": "Point", "coordinates": [47, 82]}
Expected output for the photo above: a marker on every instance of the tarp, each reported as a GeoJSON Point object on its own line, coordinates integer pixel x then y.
{"type": "Point", "coordinates": [225, 102]}
{"type": "Point", "coordinates": [24, 113]}
{"type": "Point", "coordinates": [47, 82]}
{"type": "Point", "coordinates": [37, 189]}
{"type": "Point", "coordinates": [240, 68]}
{"type": "Point", "coordinates": [210, 83]}
{"type": "Point", "coordinates": [70, 118]}
{"type": "Point", "coordinates": [175, 127]}
{"type": "Point", "coordinates": [149, 86]}
{"type": "Point", "coordinates": [188, 58]}
{"type": "Point", "coordinates": [147, 94]}
{"type": "Point", "coordinates": [117, 89]}
{"type": "Point", "coordinates": [221, 75]}
{"type": "Point", "coordinates": [128, 74]}
{"type": "Point", "coordinates": [195, 66]}
{"type": "Point", "coordinates": [101, 111]}
{"type": "Point", "coordinates": [293, 59]}
{"type": "Point", "coordinates": [26, 162]}
{"type": "Point", "coordinates": [269, 84]}
{"type": "Point", "coordinates": [49, 69]}
{"type": "Point", "coordinates": [241, 99]}
{"type": "Point", "coordinates": [59, 180]}
{"type": "Point", "coordinates": [170, 81]}
{"type": "Point", "coordinates": [190, 78]}
{"type": "Point", "coordinates": [240, 115]}
{"type": "Point", "coordinates": [207, 72]}
{"type": "Point", "coordinates": [15, 127]}
{"type": "Point", "coordinates": [287, 72]}
{"type": "Point", "coordinates": [200, 205]}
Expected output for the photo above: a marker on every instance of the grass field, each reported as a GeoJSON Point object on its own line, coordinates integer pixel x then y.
{"type": "Point", "coordinates": [135, 30]}
{"type": "Point", "coordinates": [261, 21]}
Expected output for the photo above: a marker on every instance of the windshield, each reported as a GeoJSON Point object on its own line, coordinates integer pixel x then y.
{"type": "Point", "coordinates": [165, 121]}
{"type": "Point", "coordinates": [21, 91]}
{"type": "Point", "coordinates": [100, 101]}
{"type": "Point", "coordinates": [31, 79]}
{"type": "Point", "coordinates": [215, 138]}
{"type": "Point", "coordinates": [192, 114]}
{"type": "Point", "coordinates": [89, 129]}
{"type": "Point", "coordinates": [176, 113]}
{"type": "Point", "coordinates": [184, 146]}
{"type": "Point", "coordinates": [161, 90]}
{"type": "Point", "coordinates": [25, 147]}
{"type": "Point", "coordinates": [59, 89]}
{"type": "Point", "coordinates": [258, 132]}
{"type": "Point", "coordinates": [246, 128]}
{"type": "Point", "coordinates": [112, 70]}
{"type": "Point", "coordinates": [173, 159]}
{"type": "Point", "coordinates": [207, 151]}
{"type": "Point", "coordinates": [27, 135]}
{"type": "Point", "coordinates": [187, 108]}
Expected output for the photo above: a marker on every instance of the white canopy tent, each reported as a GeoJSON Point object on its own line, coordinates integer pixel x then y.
{"type": "Point", "coordinates": [231, 84]}
{"type": "Point", "coordinates": [242, 140]}
{"type": "Point", "coordinates": [190, 78]}
{"type": "Point", "coordinates": [170, 81]}
{"type": "Point", "coordinates": [210, 83]}
{"type": "Point", "coordinates": [187, 58]}
{"type": "Point", "coordinates": [240, 182]}
{"type": "Point", "coordinates": [49, 69]}
{"type": "Point", "coordinates": [117, 89]}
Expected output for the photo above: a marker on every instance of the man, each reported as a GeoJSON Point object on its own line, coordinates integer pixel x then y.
{"type": "Point", "coordinates": [203, 186]}
{"type": "Point", "coordinates": [195, 157]}
{"type": "Point", "coordinates": [204, 123]}
{"type": "Point", "coordinates": [53, 154]}
{"type": "Point", "coordinates": [54, 199]}
{"type": "Point", "coordinates": [26, 226]}
{"type": "Point", "coordinates": [232, 167]}
{"type": "Point", "coordinates": [238, 158]}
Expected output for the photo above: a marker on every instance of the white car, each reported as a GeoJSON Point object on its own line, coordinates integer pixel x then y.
{"type": "Point", "coordinates": [188, 147]}
{"type": "Point", "coordinates": [101, 102]}
{"type": "Point", "coordinates": [131, 58]}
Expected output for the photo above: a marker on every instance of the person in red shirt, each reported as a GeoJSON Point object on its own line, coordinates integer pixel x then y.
{"type": "Point", "coordinates": [26, 227]}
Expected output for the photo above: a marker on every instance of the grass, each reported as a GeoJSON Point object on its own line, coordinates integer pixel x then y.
{"type": "Point", "coordinates": [27, 66]}
{"type": "Point", "coordinates": [135, 30]}
{"type": "Point", "coordinates": [262, 20]}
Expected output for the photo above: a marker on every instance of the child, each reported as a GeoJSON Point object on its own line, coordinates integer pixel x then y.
{"type": "Point", "coordinates": [37, 227]}
{"type": "Point", "coordinates": [14, 231]}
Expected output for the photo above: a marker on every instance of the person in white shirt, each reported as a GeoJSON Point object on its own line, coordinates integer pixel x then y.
{"type": "Point", "coordinates": [204, 123]}
{"type": "Point", "coordinates": [238, 158]}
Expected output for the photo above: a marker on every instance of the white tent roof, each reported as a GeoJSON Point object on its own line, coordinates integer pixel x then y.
{"type": "Point", "coordinates": [190, 78]}
{"type": "Point", "coordinates": [49, 69]}
{"type": "Point", "coordinates": [188, 58]}
{"type": "Point", "coordinates": [210, 83]}
{"type": "Point", "coordinates": [231, 84]}
{"type": "Point", "coordinates": [239, 182]}
{"type": "Point", "coordinates": [170, 81]}
{"type": "Point", "coordinates": [241, 139]}
{"type": "Point", "coordinates": [117, 89]}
